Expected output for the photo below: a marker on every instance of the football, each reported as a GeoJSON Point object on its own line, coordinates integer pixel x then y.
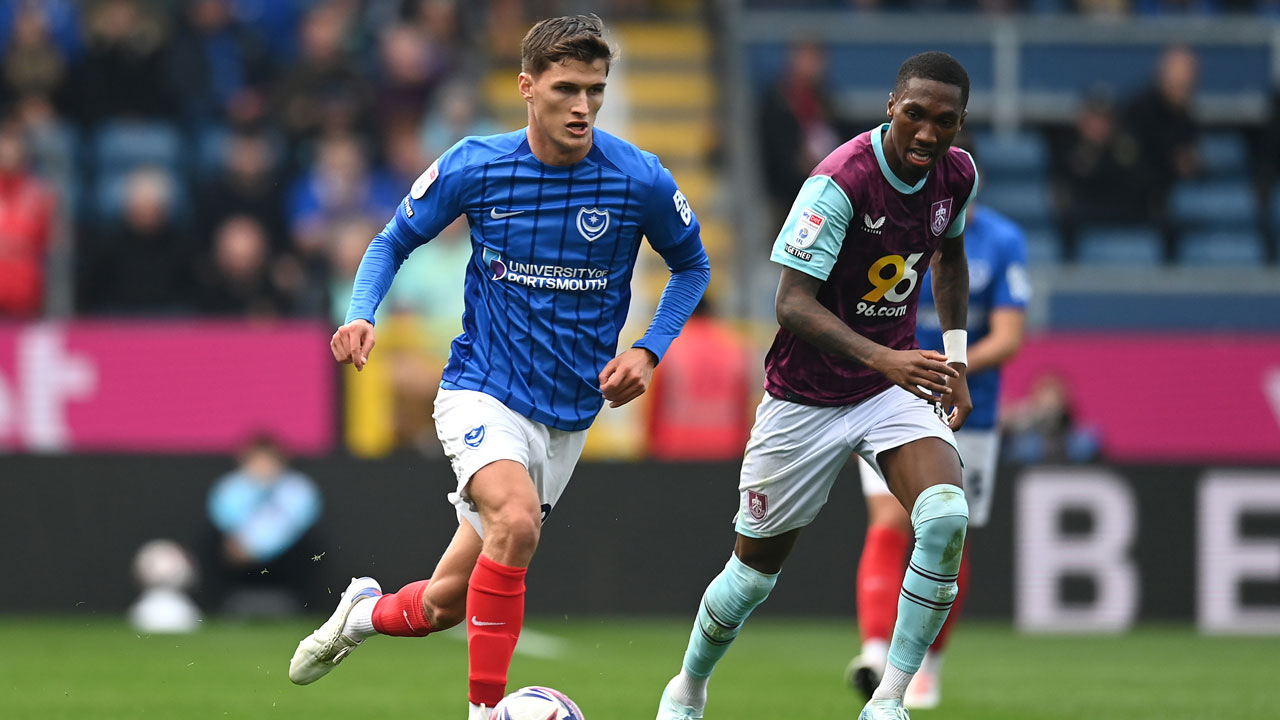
{"type": "Point", "coordinates": [536, 703]}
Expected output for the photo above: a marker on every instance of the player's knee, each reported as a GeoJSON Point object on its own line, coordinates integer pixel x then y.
{"type": "Point", "coordinates": [513, 532]}
{"type": "Point", "coordinates": [941, 519]}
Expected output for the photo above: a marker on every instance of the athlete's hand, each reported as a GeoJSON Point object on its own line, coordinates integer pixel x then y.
{"type": "Point", "coordinates": [961, 404]}
{"type": "Point", "coordinates": [627, 376]}
{"type": "Point", "coordinates": [352, 343]}
{"type": "Point", "coordinates": [923, 373]}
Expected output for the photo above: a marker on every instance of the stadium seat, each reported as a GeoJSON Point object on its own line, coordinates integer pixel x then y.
{"type": "Point", "coordinates": [1044, 247]}
{"type": "Point", "coordinates": [1222, 247]}
{"type": "Point", "coordinates": [1027, 202]}
{"type": "Point", "coordinates": [1005, 157]}
{"type": "Point", "coordinates": [1119, 245]}
{"type": "Point", "coordinates": [1220, 205]}
{"type": "Point", "coordinates": [121, 146]}
{"type": "Point", "coordinates": [1224, 155]}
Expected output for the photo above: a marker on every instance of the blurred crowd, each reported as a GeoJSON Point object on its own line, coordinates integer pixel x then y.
{"type": "Point", "coordinates": [1102, 8]}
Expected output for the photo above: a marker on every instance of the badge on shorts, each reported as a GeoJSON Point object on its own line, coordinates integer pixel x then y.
{"type": "Point", "coordinates": [474, 436]}
{"type": "Point", "coordinates": [758, 504]}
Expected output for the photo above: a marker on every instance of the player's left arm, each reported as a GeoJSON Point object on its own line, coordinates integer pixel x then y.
{"type": "Point", "coordinates": [950, 271]}
{"type": "Point", "coordinates": [673, 231]}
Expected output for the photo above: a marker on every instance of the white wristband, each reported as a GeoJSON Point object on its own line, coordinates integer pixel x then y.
{"type": "Point", "coordinates": [956, 345]}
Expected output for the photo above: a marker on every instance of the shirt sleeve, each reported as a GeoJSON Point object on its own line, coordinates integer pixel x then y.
{"type": "Point", "coordinates": [1013, 284]}
{"type": "Point", "coordinates": [814, 230]}
{"type": "Point", "coordinates": [957, 225]}
{"type": "Point", "coordinates": [434, 201]}
{"type": "Point", "coordinates": [673, 231]}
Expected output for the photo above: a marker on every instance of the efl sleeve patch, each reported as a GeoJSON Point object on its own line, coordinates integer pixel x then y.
{"type": "Point", "coordinates": [424, 181]}
{"type": "Point", "coordinates": [811, 237]}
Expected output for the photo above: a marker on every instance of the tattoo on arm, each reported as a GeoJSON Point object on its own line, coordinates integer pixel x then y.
{"type": "Point", "coordinates": [951, 284]}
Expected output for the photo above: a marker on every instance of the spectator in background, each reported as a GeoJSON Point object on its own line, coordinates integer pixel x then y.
{"type": "Point", "coordinates": [798, 127]}
{"type": "Point", "coordinates": [324, 90]}
{"type": "Point", "coordinates": [140, 264]}
{"type": "Point", "coordinates": [457, 113]}
{"type": "Point", "coordinates": [247, 184]}
{"type": "Point", "coordinates": [1162, 120]}
{"type": "Point", "coordinates": [238, 280]}
{"type": "Point", "coordinates": [1043, 427]}
{"type": "Point", "coordinates": [1097, 165]}
{"type": "Point", "coordinates": [262, 512]}
{"type": "Point", "coordinates": [411, 68]}
{"type": "Point", "coordinates": [221, 68]}
{"type": "Point", "coordinates": [33, 64]}
{"type": "Point", "coordinates": [125, 72]}
{"type": "Point", "coordinates": [700, 407]}
{"type": "Point", "coordinates": [26, 224]}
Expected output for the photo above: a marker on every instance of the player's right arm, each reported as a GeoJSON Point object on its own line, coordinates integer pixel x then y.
{"type": "Point", "coordinates": [432, 204]}
{"type": "Point", "coordinates": [807, 248]}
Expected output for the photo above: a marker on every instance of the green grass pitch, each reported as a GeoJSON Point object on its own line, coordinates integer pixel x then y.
{"type": "Point", "coordinates": [99, 668]}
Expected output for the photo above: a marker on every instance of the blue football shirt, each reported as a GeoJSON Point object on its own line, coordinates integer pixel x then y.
{"type": "Point", "coordinates": [997, 254]}
{"type": "Point", "coordinates": [549, 282]}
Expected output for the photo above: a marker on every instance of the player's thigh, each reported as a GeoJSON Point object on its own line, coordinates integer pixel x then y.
{"type": "Point", "coordinates": [980, 450]}
{"type": "Point", "coordinates": [476, 431]}
{"type": "Point", "coordinates": [792, 459]}
{"type": "Point", "coordinates": [910, 442]}
{"type": "Point", "coordinates": [882, 507]}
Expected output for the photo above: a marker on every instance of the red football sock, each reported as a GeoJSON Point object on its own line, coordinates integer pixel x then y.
{"type": "Point", "coordinates": [495, 612]}
{"type": "Point", "coordinates": [401, 613]}
{"type": "Point", "coordinates": [880, 572]}
{"type": "Point", "coordinates": [962, 585]}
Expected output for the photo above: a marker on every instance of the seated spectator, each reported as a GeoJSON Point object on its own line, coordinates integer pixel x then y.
{"type": "Point", "coordinates": [238, 281]}
{"type": "Point", "coordinates": [26, 223]}
{"type": "Point", "coordinates": [1098, 177]}
{"type": "Point", "coordinates": [247, 184]}
{"type": "Point", "coordinates": [221, 68]}
{"type": "Point", "coordinates": [1043, 427]}
{"type": "Point", "coordinates": [124, 73]}
{"type": "Point", "coordinates": [33, 64]}
{"type": "Point", "coordinates": [262, 512]}
{"type": "Point", "coordinates": [139, 265]}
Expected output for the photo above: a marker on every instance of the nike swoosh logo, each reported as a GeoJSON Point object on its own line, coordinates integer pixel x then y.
{"type": "Point", "coordinates": [476, 622]}
{"type": "Point", "coordinates": [493, 213]}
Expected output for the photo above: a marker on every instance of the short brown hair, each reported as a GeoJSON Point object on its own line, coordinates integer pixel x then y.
{"type": "Point", "coordinates": [571, 37]}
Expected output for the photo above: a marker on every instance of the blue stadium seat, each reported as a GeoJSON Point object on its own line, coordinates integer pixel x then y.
{"type": "Point", "coordinates": [1044, 247]}
{"type": "Point", "coordinates": [1221, 247]}
{"type": "Point", "coordinates": [1224, 155]}
{"type": "Point", "coordinates": [1119, 245]}
{"type": "Point", "coordinates": [1011, 156]}
{"type": "Point", "coordinates": [1220, 205]}
{"type": "Point", "coordinates": [1026, 202]}
{"type": "Point", "coordinates": [121, 146]}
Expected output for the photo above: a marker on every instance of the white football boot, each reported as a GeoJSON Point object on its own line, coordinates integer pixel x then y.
{"type": "Point", "coordinates": [889, 709]}
{"type": "Point", "coordinates": [322, 650]}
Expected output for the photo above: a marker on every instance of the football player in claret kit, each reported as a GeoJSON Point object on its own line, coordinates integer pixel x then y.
{"type": "Point", "coordinates": [557, 211]}
{"type": "Point", "coordinates": [844, 374]}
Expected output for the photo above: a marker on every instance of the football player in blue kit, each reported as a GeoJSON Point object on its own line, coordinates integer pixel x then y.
{"type": "Point", "coordinates": [557, 211]}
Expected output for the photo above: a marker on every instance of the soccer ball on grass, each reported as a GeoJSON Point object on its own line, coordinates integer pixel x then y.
{"type": "Point", "coordinates": [536, 703]}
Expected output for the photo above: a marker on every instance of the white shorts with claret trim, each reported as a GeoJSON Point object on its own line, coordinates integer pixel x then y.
{"type": "Point", "coordinates": [796, 451]}
{"type": "Point", "coordinates": [979, 450]}
{"type": "Point", "coordinates": [475, 430]}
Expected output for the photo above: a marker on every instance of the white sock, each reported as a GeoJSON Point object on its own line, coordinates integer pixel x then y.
{"type": "Point", "coordinates": [360, 620]}
{"type": "Point", "coordinates": [688, 690]}
{"type": "Point", "coordinates": [478, 712]}
{"type": "Point", "coordinates": [875, 651]}
{"type": "Point", "coordinates": [932, 663]}
{"type": "Point", "coordinates": [893, 684]}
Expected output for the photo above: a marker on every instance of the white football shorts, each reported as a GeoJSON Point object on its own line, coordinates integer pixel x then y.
{"type": "Point", "coordinates": [979, 450]}
{"type": "Point", "coordinates": [796, 451]}
{"type": "Point", "coordinates": [475, 430]}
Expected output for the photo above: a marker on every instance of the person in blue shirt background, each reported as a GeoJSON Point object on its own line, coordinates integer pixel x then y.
{"type": "Point", "coordinates": [262, 512]}
{"type": "Point", "coordinates": [557, 211]}
{"type": "Point", "coordinates": [999, 290]}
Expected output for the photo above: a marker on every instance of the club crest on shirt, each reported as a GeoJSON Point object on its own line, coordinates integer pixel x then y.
{"type": "Point", "coordinates": [940, 215]}
{"type": "Point", "coordinates": [592, 223]}
{"type": "Point", "coordinates": [757, 504]}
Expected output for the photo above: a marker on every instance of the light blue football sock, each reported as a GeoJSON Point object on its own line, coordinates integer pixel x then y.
{"type": "Point", "coordinates": [729, 599]}
{"type": "Point", "coordinates": [940, 518]}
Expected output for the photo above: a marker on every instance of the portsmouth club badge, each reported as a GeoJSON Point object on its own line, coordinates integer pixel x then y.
{"type": "Point", "coordinates": [941, 216]}
{"type": "Point", "coordinates": [757, 504]}
{"type": "Point", "coordinates": [592, 223]}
